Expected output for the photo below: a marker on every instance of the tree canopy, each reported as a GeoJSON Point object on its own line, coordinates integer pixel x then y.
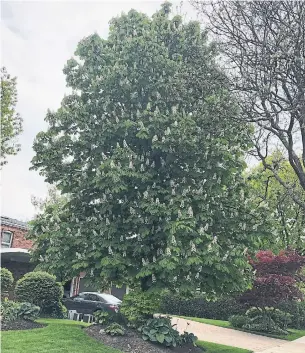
{"type": "Point", "coordinates": [287, 217]}
{"type": "Point", "coordinates": [152, 164]}
{"type": "Point", "coordinates": [263, 49]}
{"type": "Point", "coordinates": [11, 122]}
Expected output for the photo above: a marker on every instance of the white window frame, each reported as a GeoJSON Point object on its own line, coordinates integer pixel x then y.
{"type": "Point", "coordinates": [11, 239]}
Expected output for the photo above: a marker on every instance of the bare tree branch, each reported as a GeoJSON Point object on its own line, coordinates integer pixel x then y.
{"type": "Point", "coordinates": [263, 47]}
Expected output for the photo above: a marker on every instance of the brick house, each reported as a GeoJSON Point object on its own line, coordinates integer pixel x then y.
{"type": "Point", "coordinates": [15, 247]}
{"type": "Point", "coordinates": [15, 256]}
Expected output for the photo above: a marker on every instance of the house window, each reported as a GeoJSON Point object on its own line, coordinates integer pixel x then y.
{"type": "Point", "coordinates": [6, 240]}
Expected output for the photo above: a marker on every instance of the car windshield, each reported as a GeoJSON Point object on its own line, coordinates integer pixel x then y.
{"type": "Point", "coordinates": [110, 298]}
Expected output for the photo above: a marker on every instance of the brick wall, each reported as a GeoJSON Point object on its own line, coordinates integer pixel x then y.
{"type": "Point", "coordinates": [19, 240]}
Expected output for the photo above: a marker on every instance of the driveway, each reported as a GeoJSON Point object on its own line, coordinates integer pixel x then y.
{"type": "Point", "coordinates": [230, 337]}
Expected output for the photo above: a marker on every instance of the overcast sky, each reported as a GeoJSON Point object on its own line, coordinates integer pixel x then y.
{"type": "Point", "coordinates": [37, 38]}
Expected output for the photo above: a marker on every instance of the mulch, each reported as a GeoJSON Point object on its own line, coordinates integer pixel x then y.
{"type": "Point", "coordinates": [132, 342]}
{"type": "Point", "coordinates": [20, 325]}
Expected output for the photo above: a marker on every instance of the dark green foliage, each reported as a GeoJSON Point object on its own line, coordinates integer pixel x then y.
{"type": "Point", "coordinates": [188, 338]}
{"type": "Point", "coordinates": [221, 309]}
{"type": "Point", "coordinates": [28, 311]}
{"type": "Point", "coordinates": [11, 311]}
{"type": "Point", "coordinates": [224, 309]}
{"type": "Point", "coordinates": [115, 329]}
{"type": "Point", "coordinates": [139, 306]}
{"type": "Point", "coordinates": [101, 317]}
{"type": "Point", "coordinates": [238, 321]}
{"type": "Point", "coordinates": [268, 320]}
{"type": "Point", "coordinates": [6, 278]}
{"type": "Point", "coordinates": [41, 288]}
{"type": "Point", "coordinates": [297, 312]}
{"type": "Point", "coordinates": [160, 330]}
{"type": "Point", "coordinates": [54, 308]}
{"type": "Point", "coordinates": [147, 151]}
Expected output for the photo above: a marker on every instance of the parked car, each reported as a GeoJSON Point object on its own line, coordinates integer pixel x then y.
{"type": "Point", "coordinates": [89, 302]}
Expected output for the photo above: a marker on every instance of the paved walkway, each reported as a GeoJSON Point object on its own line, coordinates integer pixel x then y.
{"type": "Point", "coordinates": [296, 346]}
{"type": "Point", "coordinates": [230, 337]}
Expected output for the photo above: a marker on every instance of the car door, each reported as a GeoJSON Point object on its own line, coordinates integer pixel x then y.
{"type": "Point", "coordinates": [93, 303]}
{"type": "Point", "coordinates": [79, 303]}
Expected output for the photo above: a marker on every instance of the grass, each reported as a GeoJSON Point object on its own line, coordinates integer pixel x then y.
{"type": "Point", "coordinates": [219, 348]}
{"type": "Point", "coordinates": [67, 336]}
{"type": "Point", "coordinates": [292, 335]}
{"type": "Point", "coordinates": [63, 322]}
{"type": "Point", "coordinates": [221, 323]}
{"type": "Point", "coordinates": [60, 336]}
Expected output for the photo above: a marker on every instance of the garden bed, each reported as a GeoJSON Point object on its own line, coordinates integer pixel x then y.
{"type": "Point", "coordinates": [20, 325]}
{"type": "Point", "coordinates": [132, 342]}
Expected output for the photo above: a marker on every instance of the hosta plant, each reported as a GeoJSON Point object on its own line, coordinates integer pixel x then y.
{"type": "Point", "coordinates": [160, 330]}
{"type": "Point", "coordinates": [115, 329]}
{"type": "Point", "coordinates": [28, 311]}
{"type": "Point", "coordinates": [101, 317]}
{"type": "Point", "coordinates": [9, 310]}
{"type": "Point", "coordinates": [188, 338]}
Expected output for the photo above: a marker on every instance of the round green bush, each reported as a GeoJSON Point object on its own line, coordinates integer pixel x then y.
{"type": "Point", "coordinates": [6, 278]}
{"type": "Point", "coordinates": [139, 306]}
{"type": "Point", "coordinates": [40, 288]}
{"type": "Point", "coordinates": [238, 320]}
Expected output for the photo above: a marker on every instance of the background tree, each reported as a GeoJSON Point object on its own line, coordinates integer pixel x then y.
{"type": "Point", "coordinates": [264, 49]}
{"type": "Point", "coordinates": [146, 150]}
{"type": "Point", "coordinates": [46, 259]}
{"type": "Point", "coordinates": [11, 122]}
{"type": "Point", "coordinates": [284, 214]}
{"type": "Point", "coordinates": [276, 278]}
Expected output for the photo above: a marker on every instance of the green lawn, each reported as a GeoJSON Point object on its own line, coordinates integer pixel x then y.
{"type": "Point", "coordinates": [293, 333]}
{"type": "Point", "coordinates": [67, 336]}
{"type": "Point", "coordinates": [220, 323]}
{"type": "Point", "coordinates": [219, 348]}
{"type": "Point", "coordinates": [60, 336]}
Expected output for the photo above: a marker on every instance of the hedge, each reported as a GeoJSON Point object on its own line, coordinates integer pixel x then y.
{"type": "Point", "coordinates": [224, 308]}
{"type": "Point", "coordinates": [200, 307]}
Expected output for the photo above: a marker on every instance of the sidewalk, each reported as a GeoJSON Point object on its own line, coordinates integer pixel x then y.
{"type": "Point", "coordinates": [297, 346]}
{"type": "Point", "coordinates": [230, 337]}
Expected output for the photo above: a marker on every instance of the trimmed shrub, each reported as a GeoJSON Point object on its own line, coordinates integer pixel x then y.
{"type": "Point", "coordinates": [221, 309]}
{"type": "Point", "coordinates": [40, 288]}
{"type": "Point", "coordinates": [54, 309]}
{"type": "Point", "coordinates": [224, 309]}
{"type": "Point", "coordinates": [137, 307]}
{"type": "Point", "coordinates": [238, 321]}
{"type": "Point", "coordinates": [7, 279]}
